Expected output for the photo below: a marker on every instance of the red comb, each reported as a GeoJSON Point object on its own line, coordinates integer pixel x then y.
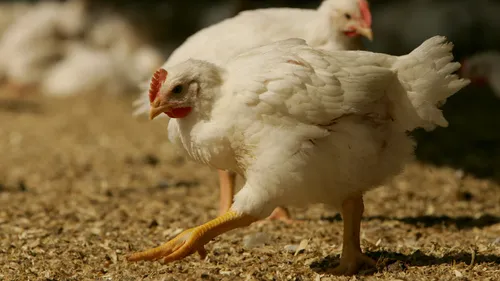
{"type": "Point", "coordinates": [158, 78]}
{"type": "Point", "coordinates": [365, 12]}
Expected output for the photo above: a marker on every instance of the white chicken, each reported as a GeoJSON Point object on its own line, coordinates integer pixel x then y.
{"type": "Point", "coordinates": [35, 41]}
{"type": "Point", "coordinates": [302, 126]}
{"type": "Point", "coordinates": [484, 68]}
{"type": "Point", "coordinates": [87, 70]}
{"type": "Point", "coordinates": [113, 60]}
{"type": "Point", "coordinates": [116, 35]}
{"type": "Point", "coordinates": [9, 12]}
{"type": "Point", "coordinates": [335, 25]}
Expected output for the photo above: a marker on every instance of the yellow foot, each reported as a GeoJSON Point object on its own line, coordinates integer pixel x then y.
{"type": "Point", "coordinates": [351, 264]}
{"type": "Point", "coordinates": [180, 247]}
{"type": "Point", "coordinates": [194, 239]}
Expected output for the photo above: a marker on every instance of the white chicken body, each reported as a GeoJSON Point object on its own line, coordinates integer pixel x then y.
{"type": "Point", "coordinates": [259, 27]}
{"type": "Point", "coordinates": [86, 70]}
{"type": "Point", "coordinates": [34, 42]}
{"type": "Point", "coordinates": [307, 126]}
{"type": "Point", "coordinates": [222, 41]}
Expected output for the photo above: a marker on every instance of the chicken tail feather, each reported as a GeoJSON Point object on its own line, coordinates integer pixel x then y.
{"type": "Point", "coordinates": [427, 75]}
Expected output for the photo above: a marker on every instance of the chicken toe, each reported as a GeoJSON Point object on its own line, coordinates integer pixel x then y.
{"type": "Point", "coordinates": [181, 246]}
{"type": "Point", "coordinates": [194, 239]}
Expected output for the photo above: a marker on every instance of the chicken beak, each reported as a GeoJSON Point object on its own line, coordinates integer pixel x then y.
{"type": "Point", "coordinates": [156, 109]}
{"type": "Point", "coordinates": [366, 32]}
{"type": "Point", "coordinates": [153, 112]}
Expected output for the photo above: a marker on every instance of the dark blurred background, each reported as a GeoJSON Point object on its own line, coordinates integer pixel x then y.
{"type": "Point", "coordinates": [472, 141]}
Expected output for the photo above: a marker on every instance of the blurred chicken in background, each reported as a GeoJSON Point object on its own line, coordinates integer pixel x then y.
{"type": "Point", "coordinates": [484, 68]}
{"type": "Point", "coordinates": [112, 59]}
{"type": "Point", "coordinates": [10, 11]}
{"type": "Point", "coordinates": [65, 48]}
{"type": "Point", "coordinates": [35, 41]}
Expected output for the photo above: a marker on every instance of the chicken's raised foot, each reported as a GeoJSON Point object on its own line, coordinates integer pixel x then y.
{"type": "Point", "coordinates": [282, 214]}
{"type": "Point", "coordinates": [194, 239]}
{"type": "Point", "coordinates": [227, 181]}
{"type": "Point", "coordinates": [352, 258]}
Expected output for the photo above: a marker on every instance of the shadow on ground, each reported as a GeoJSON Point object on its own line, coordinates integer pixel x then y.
{"type": "Point", "coordinates": [461, 222]}
{"type": "Point", "coordinates": [20, 106]}
{"type": "Point", "coordinates": [395, 262]}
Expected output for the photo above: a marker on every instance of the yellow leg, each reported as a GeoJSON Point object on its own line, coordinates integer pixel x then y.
{"type": "Point", "coordinates": [227, 181]}
{"type": "Point", "coordinates": [352, 258]}
{"type": "Point", "coordinates": [194, 239]}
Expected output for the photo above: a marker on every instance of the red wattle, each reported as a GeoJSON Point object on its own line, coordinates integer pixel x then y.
{"type": "Point", "coordinates": [351, 33]}
{"type": "Point", "coordinates": [180, 112]}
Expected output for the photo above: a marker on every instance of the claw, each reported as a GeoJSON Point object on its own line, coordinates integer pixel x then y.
{"type": "Point", "coordinates": [194, 239]}
{"type": "Point", "coordinates": [177, 248]}
{"type": "Point", "coordinates": [351, 265]}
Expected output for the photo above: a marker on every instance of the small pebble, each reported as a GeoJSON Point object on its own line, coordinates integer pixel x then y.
{"type": "Point", "coordinates": [291, 248]}
{"type": "Point", "coordinates": [255, 240]}
{"type": "Point", "coordinates": [163, 184]}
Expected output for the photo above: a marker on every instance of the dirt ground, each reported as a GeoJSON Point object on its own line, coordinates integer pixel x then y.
{"type": "Point", "coordinates": [82, 184]}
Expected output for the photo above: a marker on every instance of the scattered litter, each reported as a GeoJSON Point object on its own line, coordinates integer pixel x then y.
{"type": "Point", "coordinates": [225, 272]}
{"type": "Point", "coordinates": [302, 246]}
{"type": "Point", "coordinates": [458, 274]}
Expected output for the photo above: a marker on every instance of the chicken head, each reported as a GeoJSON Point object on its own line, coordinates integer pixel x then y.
{"type": "Point", "coordinates": [351, 17]}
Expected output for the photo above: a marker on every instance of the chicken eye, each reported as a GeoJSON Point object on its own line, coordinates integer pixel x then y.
{"type": "Point", "coordinates": [347, 16]}
{"type": "Point", "coordinates": [177, 89]}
